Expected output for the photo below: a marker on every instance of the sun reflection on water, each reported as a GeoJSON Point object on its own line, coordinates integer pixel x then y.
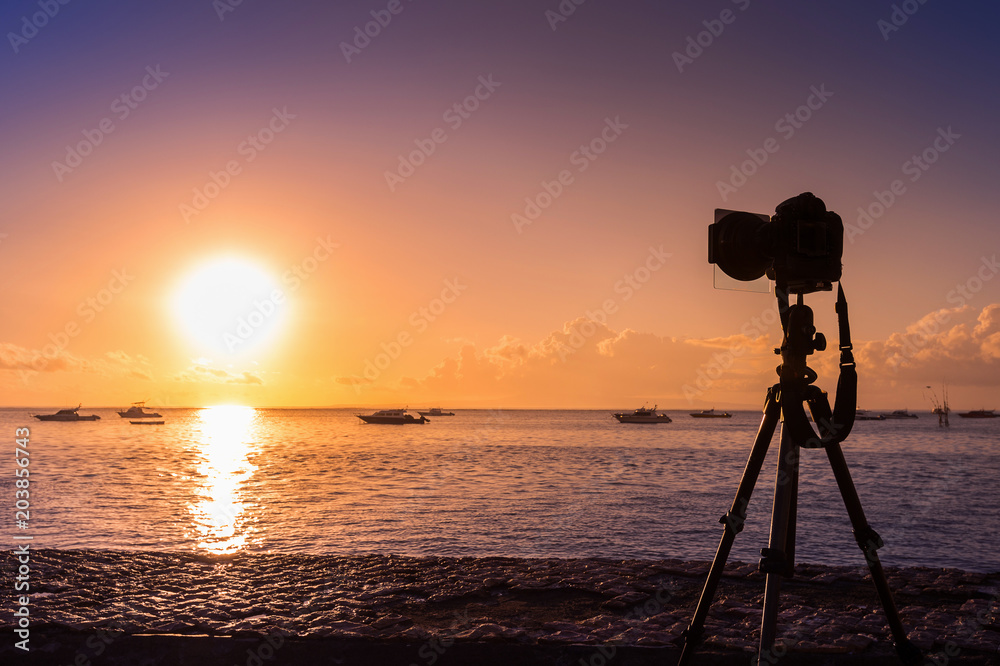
{"type": "Point", "coordinates": [225, 436]}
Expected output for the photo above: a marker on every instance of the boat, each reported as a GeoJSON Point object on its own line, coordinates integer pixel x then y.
{"type": "Point", "coordinates": [642, 415]}
{"type": "Point", "coordinates": [147, 422]}
{"type": "Point", "coordinates": [391, 417]}
{"type": "Point", "coordinates": [435, 411]}
{"type": "Point", "coordinates": [66, 415]}
{"type": "Point", "coordinates": [899, 414]}
{"type": "Point", "coordinates": [863, 415]}
{"type": "Point", "coordinates": [137, 411]}
{"type": "Point", "coordinates": [980, 414]}
{"type": "Point", "coordinates": [711, 414]}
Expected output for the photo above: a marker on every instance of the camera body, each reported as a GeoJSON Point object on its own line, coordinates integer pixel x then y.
{"type": "Point", "coordinates": [801, 247]}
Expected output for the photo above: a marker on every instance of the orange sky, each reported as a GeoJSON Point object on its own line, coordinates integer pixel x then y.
{"type": "Point", "coordinates": [253, 138]}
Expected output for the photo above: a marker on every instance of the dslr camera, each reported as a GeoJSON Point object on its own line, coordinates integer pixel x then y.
{"type": "Point", "coordinates": [800, 247]}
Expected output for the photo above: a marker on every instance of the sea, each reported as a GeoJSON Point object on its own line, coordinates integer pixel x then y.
{"type": "Point", "coordinates": [516, 483]}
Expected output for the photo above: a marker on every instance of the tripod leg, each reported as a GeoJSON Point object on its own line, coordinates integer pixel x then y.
{"type": "Point", "coordinates": [869, 542]}
{"type": "Point", "coordinates": [775, 562]}
{"type": "Point", "coordinates": [733, 522]}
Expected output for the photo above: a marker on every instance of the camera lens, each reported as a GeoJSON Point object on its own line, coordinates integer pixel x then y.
{"type": "Point", "coordinates": [737, 244]}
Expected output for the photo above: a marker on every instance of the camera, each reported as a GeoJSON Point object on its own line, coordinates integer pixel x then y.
{"type": "Point", "coordinates": [800, 247]}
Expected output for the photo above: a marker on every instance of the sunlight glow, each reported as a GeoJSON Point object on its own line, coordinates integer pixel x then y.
{"type": "Point", "coordinates": [226, 435]}
{"type": "Point", "coordinates": [229, 306]}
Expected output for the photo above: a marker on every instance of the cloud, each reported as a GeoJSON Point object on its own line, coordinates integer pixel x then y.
{"type": "Point", "coordinates": [111, 364]}
{"type": "Point", "coordinates": [586, 363]}
{"type": "Point", "coordinates": [353, 380]}
{"type": "Point", "coordinates": [205, 374]}
{"type": "Point", "coordinates": [957, 344]}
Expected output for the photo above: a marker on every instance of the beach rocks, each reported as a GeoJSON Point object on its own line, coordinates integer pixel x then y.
{"type": "Point", "coordinates": [543, 602]}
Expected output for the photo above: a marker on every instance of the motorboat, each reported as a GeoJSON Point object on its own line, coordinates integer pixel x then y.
{"type": "Point", "coordinates": [137, 411]}
{"type": "Point", "coordinates": [980, 414]}
{"type": "Point", "coordinates": [435, 411]}
{"type": "Point", "coordinates": [899, 414]}
{"type": "Point", "coordinates": [711, 414]}
{"type": "Point", "coordinates": [863, 415]}
{"type": "Point", "coordinates": [147, 422]}
{"type": "Point", "coordinates": [391, 417]}
{"type": "Point", "coordinates": [642, 415]}
{"type": "Point", "coordinates": [67, 415]}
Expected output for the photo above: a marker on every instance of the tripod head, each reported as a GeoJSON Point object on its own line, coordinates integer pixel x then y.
{"type": "Point", "coordinates": [796, 387]}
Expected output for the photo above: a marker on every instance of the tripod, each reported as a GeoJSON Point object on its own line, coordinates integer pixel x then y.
{"type": "Point", "coordinates": [785, 399]}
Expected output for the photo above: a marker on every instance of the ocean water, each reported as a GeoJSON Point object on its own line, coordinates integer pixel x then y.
{"type": "Point", "coordinates": [512, 483]}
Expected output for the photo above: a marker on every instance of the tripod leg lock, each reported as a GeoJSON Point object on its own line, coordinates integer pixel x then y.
{"type": "Point", "coordinates": [733, 520]}
{"type": "Point", "coordinates": [868, 540]}
{"type": "Point", "coordinates": [773, 561]}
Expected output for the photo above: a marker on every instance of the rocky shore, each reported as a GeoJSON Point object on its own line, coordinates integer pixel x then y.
{"type": "Point", "coordinates": [142, 607]}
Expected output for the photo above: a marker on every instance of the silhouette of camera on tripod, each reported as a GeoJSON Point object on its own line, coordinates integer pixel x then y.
{"type": "Point", "coordinates": [801, 249]}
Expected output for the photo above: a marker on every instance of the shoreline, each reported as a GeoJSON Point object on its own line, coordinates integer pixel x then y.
{"type": "Point", "coordinates": [411, 609]}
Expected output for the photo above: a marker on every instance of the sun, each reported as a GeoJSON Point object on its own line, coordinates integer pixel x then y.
{"type": "Point", "coordinates": [228, 306]}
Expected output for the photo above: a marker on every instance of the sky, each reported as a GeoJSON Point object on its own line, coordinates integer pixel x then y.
{"type": "Point", "coordinates": [491, 204]}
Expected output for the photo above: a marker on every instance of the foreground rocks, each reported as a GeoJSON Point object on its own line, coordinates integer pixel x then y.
{"type": "Point", "coordinates": [104, 606]}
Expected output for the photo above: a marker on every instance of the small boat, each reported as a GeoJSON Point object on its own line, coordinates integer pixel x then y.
{"type": "Point", "coordinates": [899, 414]}
{"type": "Point", "coordinates": [391, 417]}
{"type": "Point", "coordinates": [137, 411]}
{"type": "Point", "coordinates": [642, 415]}
{"type": "Point", "coordinates": [863, 415]}
{"type": "Point", "coordinates": [980, 414]}
{"type": "Point", "coordinates": [66, 415]}
{"type": "Point", "coordinates": [435, 411]}
{"type": "Point", "coordinates": [146, 422]}
{"type": "Point", "coordinates": [711, 414]}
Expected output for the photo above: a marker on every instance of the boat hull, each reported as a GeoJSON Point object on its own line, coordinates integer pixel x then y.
{"type": "Point", "coordinates": [65, 419]}
{"type": "Point", "coordinates": [146, 422]}
{"type": "Point", "coordinates": [392, 420]}
{"type": "Point", "coordinates": [712, 416]}
{"type": "Point", "coordinates": [628, 418]}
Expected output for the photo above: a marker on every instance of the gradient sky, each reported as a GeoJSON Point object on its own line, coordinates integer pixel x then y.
{"type": "Point", "coordinates": [424, 288]}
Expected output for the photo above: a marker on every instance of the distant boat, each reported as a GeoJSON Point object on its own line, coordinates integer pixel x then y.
{"type": "Point", "coordinates": [642, 415]}
{"type": "Point", "coordinates": [147, 422]}
{"type": "Point", "coordinates": [711, 414]}
{"type": "Point", "coordinates": [137, 411]}
{"type": "Point", "coordinates": [391, 417]}
{"type": "Point", "coordinates": [863, 415]}
{"type": "Point", "coordinates": [980, 414]}
{"type": "Point", "coordinates": [435, 411]}
{"type": "Point", "coordinates": [899, 414]}
{"type": "Point", "coordinates": [66, 415]}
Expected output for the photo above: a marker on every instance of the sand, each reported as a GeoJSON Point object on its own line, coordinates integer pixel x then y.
{"type": "Point", "coordinates": [127, 607]}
